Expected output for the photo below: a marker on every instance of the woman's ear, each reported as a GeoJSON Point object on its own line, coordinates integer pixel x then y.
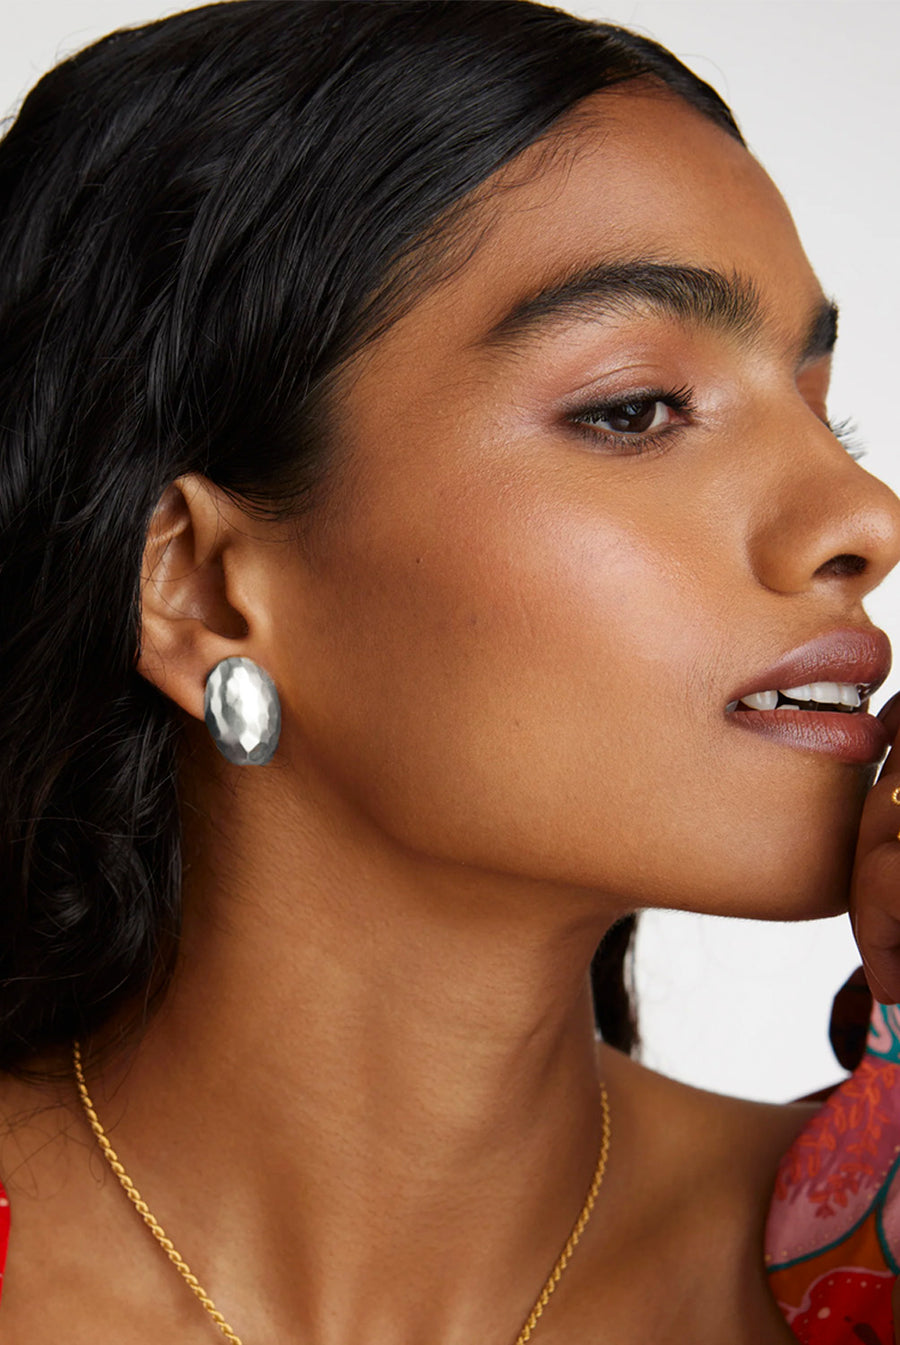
{"type": "Point", "coordinates": [191, 599]}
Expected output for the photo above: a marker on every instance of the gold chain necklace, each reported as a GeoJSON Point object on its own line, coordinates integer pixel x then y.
{"type": "Point", "coordinates": [200, 1293]}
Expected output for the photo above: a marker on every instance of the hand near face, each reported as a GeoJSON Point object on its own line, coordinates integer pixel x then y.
{"type": "Point", "coordinates": [875, 886]}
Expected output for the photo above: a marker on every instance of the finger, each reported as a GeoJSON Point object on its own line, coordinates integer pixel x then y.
{"type": "Point", "coordinates": [881, 813]}
{"type": "Point", "coordinates": [875, 888]}
{"type": "Point", "coordinates": [889, 714]}
{"type": "Point", "coordinates": [875, 916]}
{"type": "Point", "coordinates": [891, 706]}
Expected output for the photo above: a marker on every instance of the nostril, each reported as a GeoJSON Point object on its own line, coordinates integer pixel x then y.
{"type": "Point", "coordinates": [844, 565]}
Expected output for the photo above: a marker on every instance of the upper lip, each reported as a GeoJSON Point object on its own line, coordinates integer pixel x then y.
{"type": "Point", "coordinates": [859, 656]}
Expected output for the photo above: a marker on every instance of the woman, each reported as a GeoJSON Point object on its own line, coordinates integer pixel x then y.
{"type": "Point", "coordinates": [457, 367]}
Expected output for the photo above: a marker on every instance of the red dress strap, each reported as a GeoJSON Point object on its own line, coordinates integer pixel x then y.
{"type": "Point", "coordinates": [4, 1232]}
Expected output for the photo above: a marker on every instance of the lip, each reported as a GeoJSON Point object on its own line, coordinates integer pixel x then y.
{"type": "Point", "coordinates": [860, 656]}
{"type": "Point", "coordinates": [859, 739]}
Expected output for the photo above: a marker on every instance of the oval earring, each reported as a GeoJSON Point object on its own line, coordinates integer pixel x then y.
{"type": "Point", "coordinates": [242, 711]}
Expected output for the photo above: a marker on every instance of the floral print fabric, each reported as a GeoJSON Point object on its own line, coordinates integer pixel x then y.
{"type": "Point", "coordinates": [833, 1231]}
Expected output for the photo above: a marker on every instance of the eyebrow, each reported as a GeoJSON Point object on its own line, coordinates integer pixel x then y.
{"type": "Point", "coordinates": [702, 296]}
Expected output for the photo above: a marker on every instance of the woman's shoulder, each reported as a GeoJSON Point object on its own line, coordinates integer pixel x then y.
{"type": "Point", "coordinates": [715, 1127]}
{"type": "Point", "coordinates": [700, 1168]}
{"type": "Point", "coordinates": [4, 1232]}
{"type": "Point", "coordinates": [9, 1090]}
{"type": "Point", "coordinates": [30, 1130]}
{"type": "Point", "coordinates": [706, 1156]}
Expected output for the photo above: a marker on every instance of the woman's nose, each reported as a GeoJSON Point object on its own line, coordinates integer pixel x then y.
{"type": "Point", "coordinates": [824, 520]}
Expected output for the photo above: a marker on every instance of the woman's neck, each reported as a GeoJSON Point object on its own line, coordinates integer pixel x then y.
{"type": "Point", "coordinates": [386, 1064]}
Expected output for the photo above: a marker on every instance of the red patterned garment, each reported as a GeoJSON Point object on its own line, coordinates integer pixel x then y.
{"type": "Point", "coordinates": [833, 1232]}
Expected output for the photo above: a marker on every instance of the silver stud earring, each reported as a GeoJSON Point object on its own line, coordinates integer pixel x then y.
{"type": "Point", "coordinates": [242, 711]}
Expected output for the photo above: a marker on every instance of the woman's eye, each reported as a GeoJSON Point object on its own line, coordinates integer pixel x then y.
{"type": "Point", "coordinates": [636, 417]}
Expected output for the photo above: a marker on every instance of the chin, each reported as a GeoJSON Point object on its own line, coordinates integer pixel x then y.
{"type": "Point", "coordinates": [809, 880]}
{"type": "Point", "coordinates": [814, 907]}
{"type": "Point", "coordinates": [808, 875]}
{"type": "Point", "coordinates": [815, 895]}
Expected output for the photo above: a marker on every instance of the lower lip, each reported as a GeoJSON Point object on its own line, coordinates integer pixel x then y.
{"type": "Point", "coordinates": [860, 739]}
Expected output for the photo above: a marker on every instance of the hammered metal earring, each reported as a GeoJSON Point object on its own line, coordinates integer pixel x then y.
{"type": "Point", "coordinates": [242, 711]}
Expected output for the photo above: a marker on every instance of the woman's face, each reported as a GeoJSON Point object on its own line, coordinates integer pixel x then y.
{"type": "Point", "coordinates": [515, 637]}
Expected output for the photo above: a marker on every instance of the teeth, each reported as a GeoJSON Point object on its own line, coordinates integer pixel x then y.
{"type": "Point", "coordinates": [824, 693]}
{"type": "Point", "coordinates": [761, 700]}
{"type": "Point", "coordinates": [799, 693]}
{"type": "Point", "coordinates": [829, 692]}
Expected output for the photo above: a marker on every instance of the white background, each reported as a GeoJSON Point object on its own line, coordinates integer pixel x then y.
{"type": "Point", "coordinates": [737, 1006]}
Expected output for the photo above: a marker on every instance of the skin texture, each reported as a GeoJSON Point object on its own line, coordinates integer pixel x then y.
{"type": "Point", "coordinates": [369, 1107]}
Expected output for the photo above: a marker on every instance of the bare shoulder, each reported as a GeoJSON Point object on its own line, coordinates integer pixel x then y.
{"type": "Point", "coordinates": [745, 1137]}
{"type": "Point", "coordinates": [36, 1134]}
{"type": "Point", "coordinates": [34, 1123]}
{"type": "Point", "coordinates": [707, 1165]}
{"type": "Point", "coordinates": [43, 1168]}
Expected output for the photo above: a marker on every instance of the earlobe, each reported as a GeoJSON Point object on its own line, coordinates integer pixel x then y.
{"type": "Point", "coordinates": [188, 623]}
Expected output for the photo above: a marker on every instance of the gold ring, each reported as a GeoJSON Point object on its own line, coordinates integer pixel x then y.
{"type": "Point", "coordinates": [895, 798]}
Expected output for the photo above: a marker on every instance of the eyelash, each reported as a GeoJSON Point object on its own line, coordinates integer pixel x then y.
{"type": "Point", "coordinates": [846, 431]}
{"type": "Point", "coordinates": [678, 399]}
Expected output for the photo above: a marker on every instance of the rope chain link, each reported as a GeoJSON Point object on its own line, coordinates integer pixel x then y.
{"type": "Point", "coordinates": [140, 1205]}
{"type": "Point", "coordinates": [203, 1297]}
{"type": "Point", "coordinates": [572, 1242]}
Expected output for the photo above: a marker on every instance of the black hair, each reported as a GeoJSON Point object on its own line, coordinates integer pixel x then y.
{"type": "Point", "coordinates": [201, 220]}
